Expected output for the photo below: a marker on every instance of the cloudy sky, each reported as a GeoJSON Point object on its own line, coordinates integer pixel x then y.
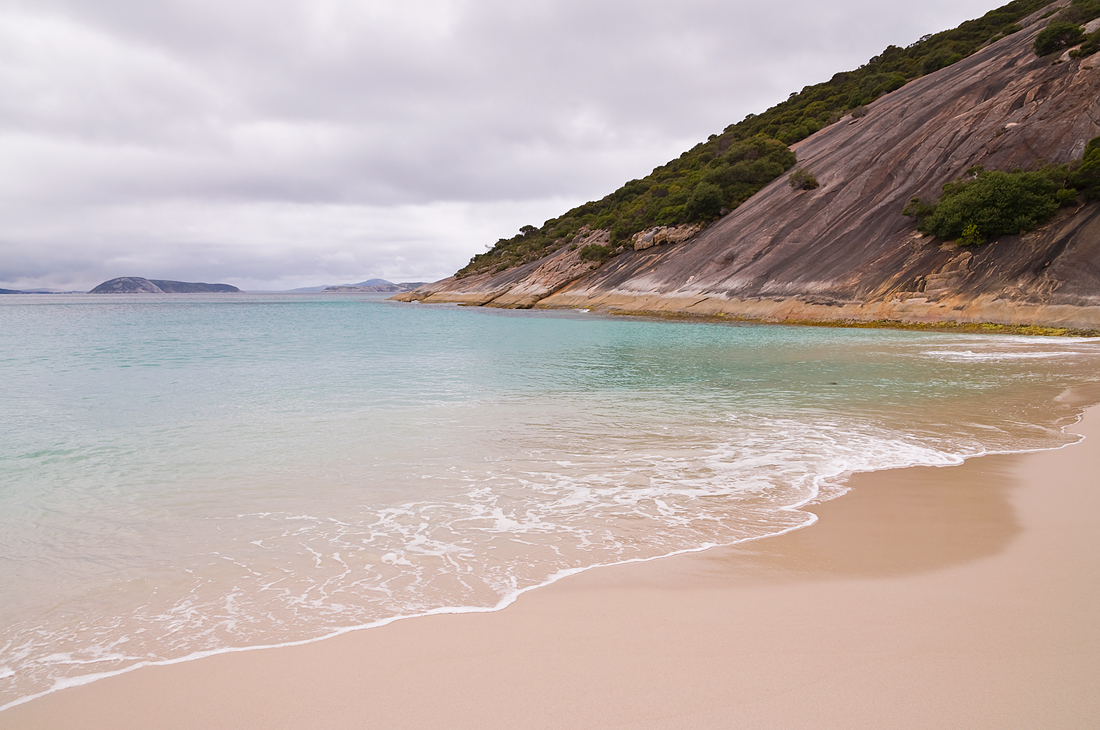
{"type": "Point", "coordinates": [273, 144]}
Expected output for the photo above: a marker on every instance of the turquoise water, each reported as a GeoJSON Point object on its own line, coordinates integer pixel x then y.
{"type": "Point", "coordinates": [189, 474]}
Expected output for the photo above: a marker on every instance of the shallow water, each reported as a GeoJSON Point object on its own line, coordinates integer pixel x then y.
{"type": "Point", "coordinates": [190, 473]}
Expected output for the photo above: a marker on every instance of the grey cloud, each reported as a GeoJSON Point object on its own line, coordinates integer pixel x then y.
{"type": "Point", "coordinates": [322, 104]}
{"type": "Point", "coordinates": [285, 245]}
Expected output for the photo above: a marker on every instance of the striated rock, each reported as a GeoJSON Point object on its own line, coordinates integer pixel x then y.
{"type": "Point", "coordinates": [518, 288]}
{"type": "Point", "coordinates": [140, 285]}
{"type": "Point", "coordinates": [844, 251]}
{"type": "Point", "coordinates": [663, 234]}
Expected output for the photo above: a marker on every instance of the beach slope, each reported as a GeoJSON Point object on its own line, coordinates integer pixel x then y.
{"type": "Point", "coordinates": [925, 598]}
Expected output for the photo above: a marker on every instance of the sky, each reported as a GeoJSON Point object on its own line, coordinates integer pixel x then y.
{"type": "Point", "coordinates": [274, 144]}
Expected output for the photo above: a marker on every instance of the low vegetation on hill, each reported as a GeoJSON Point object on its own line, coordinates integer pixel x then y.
{"type": "Point", "coordinates": [723, 172]}
{"type": "Point", "coordinates": [989, 203]}
{"type": "Point", "coordinates": [1065, 30]}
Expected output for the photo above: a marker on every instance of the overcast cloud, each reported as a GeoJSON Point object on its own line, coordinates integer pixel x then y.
{"type": "Point", "coordinates": [281, 143]}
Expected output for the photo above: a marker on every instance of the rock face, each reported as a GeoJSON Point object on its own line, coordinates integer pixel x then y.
{"type": "Point", "coordinates": [520, 287]}
{"type": "Point", "coordinates": [663, 234]}
{"type": "Point", "coordinates": [139, 285]}
{"type": "Point", "coordinates": [844, 251]}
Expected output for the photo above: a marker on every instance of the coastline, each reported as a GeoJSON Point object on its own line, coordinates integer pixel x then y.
{"type": "Point", "coordinates": [875, 320]}
{"type": "Point", "coordinates": [926, 597]}
{"type": "Point", "coordinates": [983, 315]}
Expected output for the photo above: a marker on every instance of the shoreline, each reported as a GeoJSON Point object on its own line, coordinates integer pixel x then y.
{"type": "Point", "coordinates": [949, 326]}
{"type": "Point", "coordinates": [838, 489]}
{"type": "Point", "coordinates": [800, 561]}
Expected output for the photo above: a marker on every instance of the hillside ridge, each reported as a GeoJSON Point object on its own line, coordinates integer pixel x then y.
{"type": "Point", "coordinates": [843, 250]}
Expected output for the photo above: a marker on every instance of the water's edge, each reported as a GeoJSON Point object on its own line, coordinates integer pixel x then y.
{"type": "Point", "coordinates": [1085, 401]}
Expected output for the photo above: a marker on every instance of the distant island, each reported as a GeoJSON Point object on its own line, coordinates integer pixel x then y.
{"type": "Point", "coordinates": [140, 285]}
{"type": "Point", "coordinates": [38, 291]}
{"type": "Point", "coordinates": [374, 285]}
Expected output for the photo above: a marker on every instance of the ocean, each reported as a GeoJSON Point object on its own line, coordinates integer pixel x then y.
{"type": "Point", "coordinates": [183, 475]}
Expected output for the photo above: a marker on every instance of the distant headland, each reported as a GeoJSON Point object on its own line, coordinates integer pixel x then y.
{"type": "Point", "coordinates": [374, 285]}
{"type": "Point", "coordinates": [140, 285]}
{"type": "Point", "coordinates": [832, 206]}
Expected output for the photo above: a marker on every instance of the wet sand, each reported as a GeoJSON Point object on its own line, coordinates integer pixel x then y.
{"type": "Point", "coordinates": [962, 597]}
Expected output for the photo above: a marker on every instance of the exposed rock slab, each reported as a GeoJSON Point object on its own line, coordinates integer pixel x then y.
{"type": "Point", "coordinates": [520, 287]}
{"type": "Point", "coordinates": [844, 251]}
{"type": "Point", "coordinates": [663, 234]}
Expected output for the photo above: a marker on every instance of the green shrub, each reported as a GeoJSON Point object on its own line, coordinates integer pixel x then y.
{"type": "Point", "coordinates": [940, 59]}
{"type": "Point", "coordinates": [971, 236]}
{"type": "Point", "coordinates": [705, 202]}
{"type": "Point", "coordinates": [1080, 12]}
{"type": "Point", "coordinates": [802, 179]}
{"type": "Point", "coordinates": [596, 252]}
{"type": "Point", "coordinates": [1086, 177]}
{"type": "Point", "coordinates": [1066, 197]}
{"type": "Point", "coordinates": [1057, 36]}
{"type": "Point", "coordinates": [917, 208]}
{"type": "Point", "coordinates": [1065, 31]}
{"type": "Point", "coordinates": [1089, 47]}
{"type": "Point", "coordinates": [670, 215]}
{"type": "Point", "coordinates": [991, 204]}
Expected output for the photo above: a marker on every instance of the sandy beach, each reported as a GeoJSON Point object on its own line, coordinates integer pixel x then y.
{"type": "Point", "coordinates": [959, 597]}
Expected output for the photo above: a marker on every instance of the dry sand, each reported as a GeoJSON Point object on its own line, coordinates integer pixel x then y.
{"type": "Point", "coordinates": [926, 598]}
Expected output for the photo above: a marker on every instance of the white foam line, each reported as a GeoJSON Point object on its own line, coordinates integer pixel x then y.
{"type": "Point", "coordinates": [512, 597]}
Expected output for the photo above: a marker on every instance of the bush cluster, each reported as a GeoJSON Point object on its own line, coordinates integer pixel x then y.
{"type": "Point", "coordinates": [1085, 178]}
{"type": "Point", "coordinates": [1080, 11]}
{"type": "Point", "coordinates": [1058, 36]}
{"type": "Point", "coordinates": [1064, 30]}
{"type": "Point", "coordinates": [989, 203]}
{"type": "Point", "coordinates": [803, 179]}
{"type": "Point", "coordinates": [1089, 47]}
{"type": "Point", "coordinates": [596, 252]}
{"type": "Point", "coordinates": [750, 154]}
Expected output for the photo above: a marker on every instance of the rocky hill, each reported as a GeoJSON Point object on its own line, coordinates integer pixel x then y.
{"type": "Point", "coordinates": [373, 286]}
{"type": "Point", "coordinates": [843, 251]}
{"type": "Point", "coordinates": [139, 285]}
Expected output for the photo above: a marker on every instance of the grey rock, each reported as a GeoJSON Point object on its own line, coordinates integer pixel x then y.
{"type": "Point", "coordinates": [844, 251]}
